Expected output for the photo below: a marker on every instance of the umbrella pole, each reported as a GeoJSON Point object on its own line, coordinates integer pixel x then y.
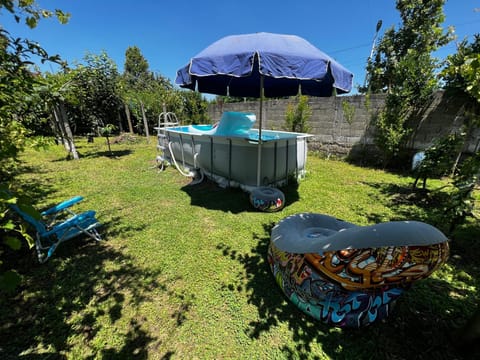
{"type": "Point", "coordinates": [259, 150]}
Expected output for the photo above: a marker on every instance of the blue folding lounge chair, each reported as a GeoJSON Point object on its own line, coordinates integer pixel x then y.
{"type": "Point", "coordinates": [59, 224]}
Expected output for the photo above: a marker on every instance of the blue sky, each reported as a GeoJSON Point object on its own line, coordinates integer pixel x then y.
{"type": "Point", "coordinates": [169, 33]}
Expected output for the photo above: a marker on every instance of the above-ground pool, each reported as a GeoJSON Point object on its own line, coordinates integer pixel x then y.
{"type": "Point", "coordinates": [227, 152]}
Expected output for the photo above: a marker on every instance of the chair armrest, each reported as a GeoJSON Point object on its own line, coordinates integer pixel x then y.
{"type": "Point", "coordinates": [63, 205]}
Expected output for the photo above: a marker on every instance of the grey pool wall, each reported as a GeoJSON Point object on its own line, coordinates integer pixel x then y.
{"type": "Point", "coordinates": [231, 161]}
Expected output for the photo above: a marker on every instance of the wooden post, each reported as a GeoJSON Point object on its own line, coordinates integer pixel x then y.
{"type": "Point", "coordinates": [145, 123]}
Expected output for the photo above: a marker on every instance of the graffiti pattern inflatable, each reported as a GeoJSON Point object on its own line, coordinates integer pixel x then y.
{"type": "Point", "coordinates": [356, 281]}
{"type": "Point", "coordinates": [267, 199]}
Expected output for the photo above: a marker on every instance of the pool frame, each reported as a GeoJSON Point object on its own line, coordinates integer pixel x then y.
{"type": "Point", "coordinates": [231, 161]}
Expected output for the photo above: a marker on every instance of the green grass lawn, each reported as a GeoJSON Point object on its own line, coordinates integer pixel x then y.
{"type": "Point", "coordinates": [182, 273]}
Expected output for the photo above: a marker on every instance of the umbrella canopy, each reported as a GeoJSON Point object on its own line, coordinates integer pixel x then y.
{"type": "Point", "coordinates": [264, 65]}
{"type": "Point", "coordinates": [288, 64]}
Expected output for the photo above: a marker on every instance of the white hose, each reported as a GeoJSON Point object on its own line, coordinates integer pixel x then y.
{"type": "Point", "coordinates": [190, 174]}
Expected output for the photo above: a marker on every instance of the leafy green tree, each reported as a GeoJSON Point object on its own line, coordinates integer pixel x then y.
{"type": "Point", "coordinates": [54, 95]}
{"type": "Point", "coordinates": [421, 34]}
{"type": "Point", "coordinates": [107, 132]}
{"type": "Point", "coordinates": [29, 12]}
{"type": "Point", "coordinates": [462, 80]}
{"type": "Point", "coordinates": [461, 203]}
{"type": "Point", "coordinates": [136, 68]}
{"type": "Point", "coordinates": [404, 69]}
{"type": "Point", "coordinates": [461, 72]}
{"type": "Point", "coordinates": [17, 81]}
{"type": "Point", "coordinates": [193, 109]}
{"type": "Point", "coordinates": [17, 84]}
{"type": "Point", "coordinates": [145, 93]}
{"type": "Point", "coordinates": [96, 92]}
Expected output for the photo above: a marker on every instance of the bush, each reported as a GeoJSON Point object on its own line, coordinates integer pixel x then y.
{"type": "Point", "coordinates": [296, 117]}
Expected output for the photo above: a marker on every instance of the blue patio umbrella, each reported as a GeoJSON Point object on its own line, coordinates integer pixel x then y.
{"type": "Point", "coordinates": [264, 65]}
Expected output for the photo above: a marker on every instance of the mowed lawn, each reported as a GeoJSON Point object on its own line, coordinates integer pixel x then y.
{"type": "Point", "coordinates": [182, 270]}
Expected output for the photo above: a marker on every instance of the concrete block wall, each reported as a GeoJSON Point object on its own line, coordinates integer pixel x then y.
{"type": "Point", "coordinates": [334, 132]}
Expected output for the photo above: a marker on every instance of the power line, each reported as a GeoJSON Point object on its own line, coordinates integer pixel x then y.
{"type": "Point", "coordinates": [348, 49]}
{"type": "Point", "coordinates": [368, 44]}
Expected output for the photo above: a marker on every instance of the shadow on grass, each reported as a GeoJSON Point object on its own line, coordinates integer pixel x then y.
{"type": "Point", "coordinates": [426, 206]}
{"type": "Point", "coordinates": [420, 326]}
{"type": "Point", "coordinates": [87, 287]}
{"type": "Point", "coordinates": [114, 154]}
{"type": "Point", "coordinates": [32, 184]}
{"type": "Point", "coordinates": [421, 205]}
{"type": "Point", "coordinates": [41, 314]}
{"type": "Point", "coordinates": [410, 204]}
{"type": "Point", "coordinates": [209, 195]}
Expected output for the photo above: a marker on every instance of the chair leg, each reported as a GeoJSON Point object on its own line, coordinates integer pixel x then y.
{"type": "Point", "coordinates": [96, 235]}
{"type": "Point", "coordinates": [45, 252]}
{"type": "Point", "coordinates": [42, 252]}
{"type": "Point", "coordinates": [42, 258]}
{"type": "Point", "coordinates": [92, 233]}
{"type": "Point", "coordinates": [51, 250]}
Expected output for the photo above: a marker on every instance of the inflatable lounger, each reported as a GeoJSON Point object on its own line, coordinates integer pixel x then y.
{"type": "Point", "coordinates": [348, 275]}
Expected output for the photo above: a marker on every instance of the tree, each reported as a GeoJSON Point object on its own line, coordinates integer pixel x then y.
{"type": "Point", "coordinates": [404, 69]}
{"type": "Point", "coordinates": [96, 91]}
{"type": "Point", "coordinates": [460, 72]}
{"type": "Point", "coordinates": [136, 68]}
{"type": "Point", "coordinates": [420, 34]}
{"type": "Point", "coordinates": [54, 94]}
{"type": "Point", "coordinates": [438, 159]}
{"type": "Point", "coordinates": [461, 76]}
{"type": "Point", "coordinates": [145, 94]}
{"type": "Point", "coordinates": [17, 84]}
{"type": "Point", "coordinates": [462, 80]}
{"type": "Point", "coordinates": [193, 109]}
{"type": "Point", "coordinates": [30, 13]}
{"type": "Point", "coordinates": [107, 131]}
{"type": "Point", "coordinates": [17, 81]}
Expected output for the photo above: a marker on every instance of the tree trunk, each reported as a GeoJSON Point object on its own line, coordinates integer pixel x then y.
{"type": "Point", "coordinates": [108, 144]}
{"type": "Point", "coordinates": [145, 123]}
{"type": "Point", "coordinates": [120, 125]}
{"type": "Point", "coordinates": [66, 132]}
{"type": "Point", "coordinates": [129, 120]}
{"type": "Point", "coordinates": [56, 128]}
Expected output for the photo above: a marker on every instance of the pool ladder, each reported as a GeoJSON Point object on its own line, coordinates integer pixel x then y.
{"type": "Point", "coordinates": [165, 120]}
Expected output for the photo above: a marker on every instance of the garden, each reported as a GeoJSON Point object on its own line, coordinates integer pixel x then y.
{"type": "Point", "coordinates": [182, 271]}
{"type": "Point", "coordinates": [182, 268]}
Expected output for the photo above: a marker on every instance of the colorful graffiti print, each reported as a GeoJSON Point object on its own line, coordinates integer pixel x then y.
{"type": "Point", "coordinates": [325, 300]}
{"type": "Point", "coordinates": [370, 268]}
{"type": "Point", "coordinates": [267, 205]}
{"type": "Point", "coordinates": [267, 199]}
